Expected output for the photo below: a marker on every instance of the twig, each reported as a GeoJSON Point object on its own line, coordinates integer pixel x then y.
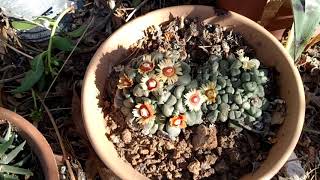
{"type": "Point", "coordinates": [60, 109]}
{"type": "Point", "coordinates": [7, 67]}
{"type": "Point", "coordinates": [311, 131]}
{"type": "Point", "coordinates": [88, 4]}
{"type": "Point", "coordinates": [17, 50]}
{"type": "Point", "coordinates": [64, 152]}
{"type": "Point", "coordinates": [126, 9]}
{"type": "Point", "coordinates": [11, 79]}
{"type": "Point", "coordinates": [136, 9]}
{"type": "Point", "coordinates": [70, 54]}
{"type": "Point", "coordinates": [31, 48]}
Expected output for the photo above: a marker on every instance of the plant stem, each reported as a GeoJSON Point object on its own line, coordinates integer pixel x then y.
{"type": "Point", "coordinates": [53, 31]}
{"type": "Point", "coordinates": [65, 62]}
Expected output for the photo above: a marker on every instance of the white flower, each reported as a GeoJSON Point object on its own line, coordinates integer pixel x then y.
{"type": "Point", "coordinates": [151, 83]}
{"type": "Point", "coordinates": [194, 100]}
{"type": "Point", "coordinates": [248, 64]}
{"type": "Point", "coordinates": [169, 71]}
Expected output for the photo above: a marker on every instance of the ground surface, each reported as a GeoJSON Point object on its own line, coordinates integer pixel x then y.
{"type": "Point", "coordinates": [63, 99]}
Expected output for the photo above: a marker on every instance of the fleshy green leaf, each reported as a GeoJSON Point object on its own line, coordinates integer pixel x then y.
{"type": "Point", "coordinates": [15, 170]}
{"type": "Point", "coordinates": [23, 25]}
{"type": "Point", "coordinates": [6, 159]}
{"type": "Point", "coordinates": [23, 161]}
{"type": "Point", "coordinates": [8, 177]}
{"type": "Point", "coordinates": [33, 75]}
{"type": "Point", "coordinates": [8, 133]}
{"type": "Point", "coordinates": [62, 43]}
{"type": "Point", "coordinates": [5, 146]}
{"type": "Point", "coordinates": [306, 20]}
{"type": "Point", "coordinates": [77, 32]}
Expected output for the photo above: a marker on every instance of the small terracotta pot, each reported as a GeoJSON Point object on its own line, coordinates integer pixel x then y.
{"type": "Point", "coordinates": [267, 48]}
{"type": "Point", "coordinates": [36, 141]}
{"type": "Point", "coordinates": [252, 9]}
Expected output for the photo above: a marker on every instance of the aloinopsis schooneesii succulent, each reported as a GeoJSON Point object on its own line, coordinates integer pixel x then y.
{"type": "Point", "coordinates": [161, 91]}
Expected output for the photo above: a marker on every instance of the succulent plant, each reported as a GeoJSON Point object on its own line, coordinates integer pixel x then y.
{"type": "Point", "coordinates": [167, 88]}
{"type": "Point", "coordinates": [306, 15]}
{"type": "Point", "coordinates": [11, 161]}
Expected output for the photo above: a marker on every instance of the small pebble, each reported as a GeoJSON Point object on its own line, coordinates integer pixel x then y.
{"type": "Point", "coordinates": [126, 136]}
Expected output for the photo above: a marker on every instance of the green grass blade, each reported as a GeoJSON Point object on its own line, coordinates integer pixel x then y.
{"type": "Point", "coordinates": [15, 170]}
{"type": "Point", "coordinates": [6, 159]}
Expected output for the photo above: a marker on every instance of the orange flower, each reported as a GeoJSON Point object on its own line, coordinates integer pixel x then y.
{"type": "Point", "coordinates": [179, 120]}
{"type": "Point", "coordinates": [144, 113]}
{"type": "Point", "coordinates": [124, 82]}
{"type": "Point", "coordinates": [147, 65]}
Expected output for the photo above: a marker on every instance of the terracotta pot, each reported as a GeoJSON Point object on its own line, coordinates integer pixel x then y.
{"type": "Point", "coordinates": [267, 48]}
{"type": "Point", "coordinates": [252, 9]}
{"type": "Point", "coordinates": [36, 141]}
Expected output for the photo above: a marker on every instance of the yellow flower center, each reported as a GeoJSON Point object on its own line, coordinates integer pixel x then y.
{"type": "Point", "coordinates": [210, 93]}
{"type": "Point", "coordinates": [169, 71]}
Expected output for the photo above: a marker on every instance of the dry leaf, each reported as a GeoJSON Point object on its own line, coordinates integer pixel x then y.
{"type": "Point", "coordinates": [277, 117]}
{"type": "Point", "coordinates": [3, 39]}
{"type": "Point", "coordinates": [270, 11]}
{"type": "Point", "coordinates": [293, 168]}
{"type": "Point", "coordinates": [59, 159]}
{"type": "Point", "coordinates": [313, 41]}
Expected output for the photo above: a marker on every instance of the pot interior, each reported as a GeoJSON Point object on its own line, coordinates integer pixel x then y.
{"type": "Point", "coordinates": [269, 51]}
{"type": "Point", "coordinates": [35, 140]}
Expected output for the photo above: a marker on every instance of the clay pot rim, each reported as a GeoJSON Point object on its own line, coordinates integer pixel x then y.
{"type": "Point", "coordinates": [35, 140]}
{"type": "Point", "coordinates": [265, 174]}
